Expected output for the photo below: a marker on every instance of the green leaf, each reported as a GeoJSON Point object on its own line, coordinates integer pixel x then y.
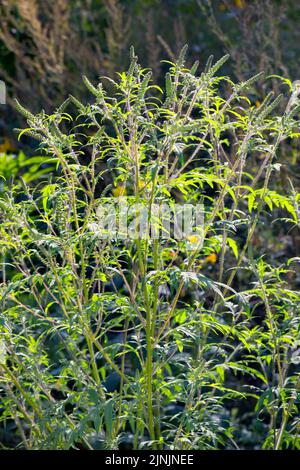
{"type": "Point", "coordinates": [232, 244]}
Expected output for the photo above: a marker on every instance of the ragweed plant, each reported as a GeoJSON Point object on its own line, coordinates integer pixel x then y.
{"type": "Point", "coordinates": [152, 342]}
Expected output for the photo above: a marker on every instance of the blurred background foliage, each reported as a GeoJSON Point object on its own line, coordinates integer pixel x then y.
{"type": "Point", "coordinates": [46, 46]}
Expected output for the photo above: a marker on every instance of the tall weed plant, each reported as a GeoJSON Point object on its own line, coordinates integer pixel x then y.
{"type": "Point", "coordinates": [157, 343]}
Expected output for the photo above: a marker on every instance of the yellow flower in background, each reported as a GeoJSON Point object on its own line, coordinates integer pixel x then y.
{"type": "Point", "coordinates": [211, 258]}
{"type": "Point", "coordinates": [142, 184]}
{"type": "Point", "coordinates": [257, 103]}
{"type": "Point", "coordinates": [222, 7]}
{"type": "Point", "coordinates": [119, 191]}
{"type": "Point", "coordinates": [6, 145]}
{"type": "Point", "coordinates": [193, 238]}
{"type": "Point", "coordinates": [240, 4]}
